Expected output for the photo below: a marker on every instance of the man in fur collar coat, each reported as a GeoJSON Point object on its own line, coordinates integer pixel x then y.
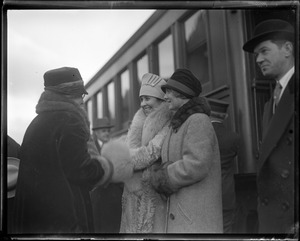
{"type": "Point", "coordinates": [57, 169]}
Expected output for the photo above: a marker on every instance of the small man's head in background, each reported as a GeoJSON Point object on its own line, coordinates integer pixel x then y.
{"type": "Point", "coordinates": [102, 128]}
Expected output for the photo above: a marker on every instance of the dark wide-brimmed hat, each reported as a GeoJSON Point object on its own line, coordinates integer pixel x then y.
{"type": "Point", "coordinates": [12, 175]}
{"type": "Point", "coordinates": [102, 123]}
{"type": "Point", "coordinates": [184, 82]}
{"type": "Point", "coordinates": [267, 30]}
{"type": "Point", "coordinates": [65, 80]}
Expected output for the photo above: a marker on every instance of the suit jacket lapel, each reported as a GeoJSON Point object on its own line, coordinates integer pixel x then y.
{"type": "Point", "coordinates": [278, 123]}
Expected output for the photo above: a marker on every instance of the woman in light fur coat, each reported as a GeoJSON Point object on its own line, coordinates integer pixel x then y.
{"type": "Point", "coordinates": [145, 137]}
{"type": "Point", "coordinates": [190, 174]}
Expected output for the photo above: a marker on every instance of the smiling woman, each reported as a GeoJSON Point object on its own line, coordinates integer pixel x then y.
{"type": "Point", "coordinates": [145, 136]}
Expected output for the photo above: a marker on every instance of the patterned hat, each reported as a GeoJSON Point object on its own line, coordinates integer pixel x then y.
{"type": "Point", "coordinates": [151, 86]}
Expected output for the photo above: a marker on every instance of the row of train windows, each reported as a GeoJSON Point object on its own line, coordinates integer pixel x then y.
{"type": "Point", "coordinates": [196, 59]}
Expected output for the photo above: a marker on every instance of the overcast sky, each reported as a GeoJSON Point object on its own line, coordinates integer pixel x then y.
{"type": "Point", "coordinates": [39, 40]}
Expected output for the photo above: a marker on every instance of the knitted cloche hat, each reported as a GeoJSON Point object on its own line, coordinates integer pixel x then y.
{"type": "Point", "coordinates": [184, 82]}
{"type": "Point", "coordinates": [151, 86]}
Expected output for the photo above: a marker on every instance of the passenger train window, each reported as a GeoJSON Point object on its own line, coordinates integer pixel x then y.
{"type": "Point", "coordinates": [99, 105]}
{"type": "Point", "coordinates": [111, 101]}
{"type": "Point", "coordinates": [166, 57]}
{"type": "Point", "coordinates": [125, 85]}
{"type": "Point", "coordinates": [142, 67]}
{"type": "Point", "coordinates": [196, 45]}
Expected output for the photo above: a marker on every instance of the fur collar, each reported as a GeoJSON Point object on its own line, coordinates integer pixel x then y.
{"type": "Point", "coordinates": [143, 128]}
{"type": "Point", "coordinates": [195, 105]}
{"type": "Point", "coordinates": [50, 101]}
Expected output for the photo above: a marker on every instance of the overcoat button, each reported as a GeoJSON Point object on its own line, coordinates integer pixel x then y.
{"type": "Point", "coordinates": [285, 174]}
{"type": "Point", "coordinates": [289, 141]}
{"type": "Point", "coordinates": [265, 202]}
{"type": "Point", "coordinates": [172, 216]}
{"type": "Point", "coordinates": [285, 206]}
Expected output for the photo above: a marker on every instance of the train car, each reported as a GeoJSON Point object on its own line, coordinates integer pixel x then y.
{"type": "Point", "coordinates": [209, 43]}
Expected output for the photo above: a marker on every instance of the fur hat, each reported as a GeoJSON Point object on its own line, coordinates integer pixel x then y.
{"type": "Point", "coordinates": [267, 30]}
{"type": "Point", "coordinates": [184, 82]}
{"type": "Point", "coordinates": [151, 84]}
{"type": "Point", "coordinates": [65, 80]}
{"type": "Point", "coordinates": [102, 123]}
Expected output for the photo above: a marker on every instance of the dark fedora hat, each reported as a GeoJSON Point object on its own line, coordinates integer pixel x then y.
{"type": "Point", "coordinates": [67, 78]}
{"type": "Point", "coordinates": [184, 82]}
{"type": "Point", "coordinates": [102, 123]}
{"type": "Point", "coordinates": [267, 30]}
{"type": "Point", "coordinates": [12, 175]}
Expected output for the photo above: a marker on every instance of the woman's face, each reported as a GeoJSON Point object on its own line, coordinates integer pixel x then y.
{"type": "Point", "coordinates": [173, 100]}
{"type": "Point", "coordinates": [149, 103]}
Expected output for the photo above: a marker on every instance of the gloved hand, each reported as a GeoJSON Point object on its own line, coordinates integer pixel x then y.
{"type": "Point", "coordinates": [160, 179]}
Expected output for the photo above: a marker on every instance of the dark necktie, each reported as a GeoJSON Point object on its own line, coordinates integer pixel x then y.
{"type": "Point", "coordinates": [277, 92]}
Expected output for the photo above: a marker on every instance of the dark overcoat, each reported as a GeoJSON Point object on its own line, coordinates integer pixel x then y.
{"type": "Point", "coordinates": [228, 146]}
{"type": "Point", "coordinates": [276, 166]}
{"type": "Point", "coordinates": [56, 174]}
{"type": "Point", "coordinates": [107, 205]}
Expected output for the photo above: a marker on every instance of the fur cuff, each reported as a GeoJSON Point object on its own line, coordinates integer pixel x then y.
{"type": "Point", "coordinates": [117, 152]}
{"type": "Point", "coordinates": [161, 182]}
{"type": "Point", "coordinates": [108, 171]}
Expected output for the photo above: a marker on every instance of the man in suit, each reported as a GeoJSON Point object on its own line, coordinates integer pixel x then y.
{"type": "Point", "coordinates": [106, 201]}
{"type": "Point", "coordinates": [101, 131]}
{"type": "Point", "coordinates": [273, 47]}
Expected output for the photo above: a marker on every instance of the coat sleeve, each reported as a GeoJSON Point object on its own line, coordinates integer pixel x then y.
{"type": "Point", "coordinates": [145, 156]}
{"type": "Point", "coordinates": [72, 146]}
{"type": "Point", "coordinates": [197, 154]}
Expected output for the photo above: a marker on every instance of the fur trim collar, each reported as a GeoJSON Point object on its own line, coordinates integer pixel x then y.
{"type": "Point", "coordinates": [195, 105]}
{"type": "Point", "coordinates": [50, 101]}
{"type": "Point", "coordinates": [143, 128]}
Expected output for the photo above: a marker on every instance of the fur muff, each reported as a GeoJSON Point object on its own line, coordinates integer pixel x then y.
{"type": "Point", "coordinates": [117, 152]}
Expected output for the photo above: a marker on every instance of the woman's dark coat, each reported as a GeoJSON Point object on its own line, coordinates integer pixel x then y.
{"type": "Point", "coordinates": [56, 172]}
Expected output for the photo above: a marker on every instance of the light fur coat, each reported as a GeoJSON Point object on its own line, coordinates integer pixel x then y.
{"type": "Point", "coordinates": [144, 138]}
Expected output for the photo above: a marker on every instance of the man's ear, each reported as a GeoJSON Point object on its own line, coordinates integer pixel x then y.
{"type": "Point", "coordinates": [289, 47]}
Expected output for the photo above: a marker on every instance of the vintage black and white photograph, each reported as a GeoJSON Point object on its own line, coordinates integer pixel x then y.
{"type": "Point", "coordinates": [150, 120]}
